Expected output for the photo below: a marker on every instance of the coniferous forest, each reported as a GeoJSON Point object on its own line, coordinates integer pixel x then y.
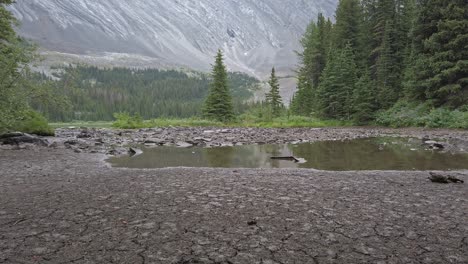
{"type": "Point", "coordinates": [94, 94]}
{"type": "Point", "coordinates": [384, 62]}
{"type": "Point", "coordinates": [391, 61]}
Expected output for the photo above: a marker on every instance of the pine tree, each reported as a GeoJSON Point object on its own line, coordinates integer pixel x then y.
{"type": "Point", "coordinates": [338, 82]}
{"type": "Point", "coordinates": [364, 100]}
{"type": "Point", "coordinates": [218, 104]}
{"type": "Point", "coordinates": [316, 44]}
{"type": "Point", "coordinates": [440, 69]}
{"type": "Point", "coordinates": [273, 98]}
{"type": "Point", "coordinates": [388, 77]}
{"type": "Point", "coordinates": [348, 27]}
{"type": "Point", "coordinates": [303, 102]}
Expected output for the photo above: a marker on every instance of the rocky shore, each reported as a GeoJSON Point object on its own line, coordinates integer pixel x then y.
{"type": "Point", "coordinates": [61, 203]}
{"type": "Point", "coordinates": [116, 142]}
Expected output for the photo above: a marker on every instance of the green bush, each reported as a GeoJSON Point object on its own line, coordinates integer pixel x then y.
{"type": "Point", "coordinates": [33, 123]}
{"type": "Point", "coordinates": [126, 121]}
{"type": "Point", "coordinates": [405, 114]}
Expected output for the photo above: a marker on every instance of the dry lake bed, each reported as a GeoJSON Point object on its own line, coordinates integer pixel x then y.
{"type": "Point", "coordinates": [65, 204]}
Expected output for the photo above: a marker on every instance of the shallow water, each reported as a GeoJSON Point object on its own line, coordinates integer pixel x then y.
{"type": "Point", "coordinates": [360, 154]}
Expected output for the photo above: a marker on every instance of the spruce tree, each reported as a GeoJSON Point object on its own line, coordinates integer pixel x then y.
{"type": "Point", "coordinates": [348, 27]}
{"type": "Point", "coordinates": [364, 100]}
{"type": "Point", "coordinates": [316, 44]}
{"type": "Point", "coordinates": [218, 104]}
{"type": "Point", "coordinates": [338, 82]}
{"type": "Point", "coordinates": [440, 69]}
{"type": "Point", "coordinates": [273, 97]}
{"type": "Point", "coordinates": [303, 102]}
{"type": "Point", "coordinates": [388, 74]}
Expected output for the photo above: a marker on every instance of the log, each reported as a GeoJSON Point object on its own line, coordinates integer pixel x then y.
{"type": "Point", "coordinates": [291, 158]}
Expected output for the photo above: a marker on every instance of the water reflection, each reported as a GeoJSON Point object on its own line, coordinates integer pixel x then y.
{"type": "Point", "coordinates": [362, 154]}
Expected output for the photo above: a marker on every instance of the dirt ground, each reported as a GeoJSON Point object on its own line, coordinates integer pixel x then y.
{"type": "Point", "coordinates": [60, 206]}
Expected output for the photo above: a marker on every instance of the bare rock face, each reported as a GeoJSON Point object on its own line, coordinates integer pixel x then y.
{"type": "Point", "coordinates": [254, 34]}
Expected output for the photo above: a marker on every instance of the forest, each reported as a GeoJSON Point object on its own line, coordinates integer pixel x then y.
{"type": "Point", "coordinates": [96, 94]}
{"type": "Point", "coordinates": [390, 62]}
{"type": "Point", "coordinates": [378, 62]}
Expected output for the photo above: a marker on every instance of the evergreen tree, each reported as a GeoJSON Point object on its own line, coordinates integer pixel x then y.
{"type": "Point", "coordinates": [218, 104]}
{"type": "Point", "coordinates": [364, 100]}
{"type": "Point", "coordinates": [387, 72]}
{"type": "Point", "coordinates": [348, 27]}
{"type": "Point", "coordinates": [337, 85]}
{"type": "Point", "coordinates": [316, 44]}
{"type": "Point", "coordinates": [304, 98]}
{"type": "Point", "coordinates": [440, 69]}
{"type": "Point", "coordinates": [273, 98]}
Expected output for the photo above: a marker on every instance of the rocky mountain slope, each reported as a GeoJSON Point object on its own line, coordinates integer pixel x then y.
{"type": "Point", "coordinates": [254, 34]}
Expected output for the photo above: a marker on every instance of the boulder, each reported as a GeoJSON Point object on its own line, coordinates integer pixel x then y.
{"type": "Point", "coordinates": [17, 138]}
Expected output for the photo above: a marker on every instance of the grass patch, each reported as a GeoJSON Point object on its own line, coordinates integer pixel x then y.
{"type": "Point", "coordinates": [126, 121]}
{"type": "Point", "coordinates": [90, 124]}
{"type": "Point", "coordinates": [291, 122]}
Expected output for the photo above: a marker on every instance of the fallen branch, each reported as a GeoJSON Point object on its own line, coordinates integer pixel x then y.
{"type": "Point", "coordinates": [291, 158]}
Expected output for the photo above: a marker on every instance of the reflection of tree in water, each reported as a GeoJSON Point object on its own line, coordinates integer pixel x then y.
{"type": "Point", "coordinates": [361, 154]}
{"type": "Point", "coordinates": [219, 157]}
{"type": "Point", "coordinates": [248, 156]}
{"type": "Point", "coordinates": [373, 154]}
{"type": "Point", "coordinates": [343, 155]}
{"type": "Point", "coordinates": [276, 151]}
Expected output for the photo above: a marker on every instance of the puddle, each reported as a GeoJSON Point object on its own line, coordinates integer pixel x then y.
{"type": "Point", "coordinates": [360, 154]}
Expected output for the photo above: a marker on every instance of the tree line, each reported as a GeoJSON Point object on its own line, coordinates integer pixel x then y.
{"type": "Point", "coordinates": [97, 93]}
{"type": "Point", "coordinates": [380, 52]}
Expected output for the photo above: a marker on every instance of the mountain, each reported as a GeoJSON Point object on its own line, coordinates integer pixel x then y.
{"type": "Point", "coordinates": [254, 34]}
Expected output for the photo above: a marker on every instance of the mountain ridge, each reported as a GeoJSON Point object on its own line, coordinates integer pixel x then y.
{"type": "Point", "coordinates": [254, 34]}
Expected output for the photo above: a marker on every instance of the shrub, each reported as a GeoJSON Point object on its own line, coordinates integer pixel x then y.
{"type": "Point", "coordinates": [33, 123]}
{"type": "Point", "coordinates": [126, 121]}
{"type": "Point", "coordinates": [405, 114]}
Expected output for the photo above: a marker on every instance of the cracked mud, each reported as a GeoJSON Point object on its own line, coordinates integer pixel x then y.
{"type": "Point", "coordinates": [58, 206]}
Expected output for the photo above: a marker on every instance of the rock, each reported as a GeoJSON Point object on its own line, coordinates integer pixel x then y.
{"type": "Point", "coordinates": [439, 178]}
{"type": "Point", "coordinates": [454, 179]}
{"type": "Point", "coordinates": [133, 152]}
{"type": "Point", "coordinates": [154, 141]}
{"type": "Point", "coordinates": [434, 144]}
{"type": "Point", "coordinates": [11, 134]}
{"type": "Point", "coordinates": [182, 144]}
{"type": "Point", "coordinates": [252, 222]}
{"type": "Point", "coordinates": [208, 132]}
{"type": "Point", "coordinates": [84, 134]}
{"type": "Point", "coordinates": [17, 138]}
{"type": "Point", "coordinates": [203, 139]}
{"type": "Point", "coordinates": [71, 142]}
